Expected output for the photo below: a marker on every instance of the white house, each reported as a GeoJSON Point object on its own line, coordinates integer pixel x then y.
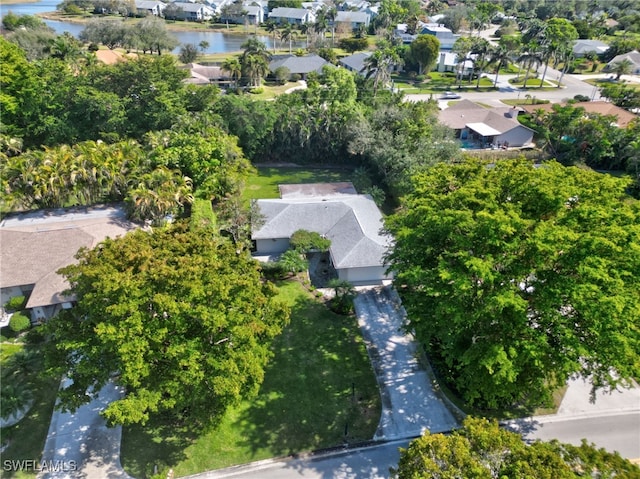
{"type": "Point", "coordinates": [633, 57]}
{"type": "Point", "coordinates": [446, 37]}
{"type": "Point", "coordinates": [35, 245]}
{"type": "Point", "coordinates": [448, 62]}
{"type": "Point", "coordinates": [148, 7]}
{"type": "Point", "coordinates": [351, 221]}
{"type": "Point", "coordinates": [486, 126]}
{"type": "Point", "coordinates": [582, 47]}
{"type": "Point", "coordinates": [354, 19]}
{"type": "Point", "coordinates": [195, 12]}
{"type": "Point", "coordinates": [295, 16]}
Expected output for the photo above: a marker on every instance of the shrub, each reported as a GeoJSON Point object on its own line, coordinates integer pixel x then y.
{"type": "Point", "coordinates": [15, 304]}
{"type": "Point", "coordinates": [296, 77]}
{"type": "Point", "coordinates": [272, 271]}
{"type": "Point", "coordinates": [581, 98]}
{"type": "Point", "coordinates": [292, 262]}
{"type": "Point", "coordinates": [19, 322]}
{"type": "Point", "coordinates": [344, 293]}
{"type": "Point", "coordinates": [256, 90]}
{"type": "Point", "coordinates": [305, 241]}
{"type": "Point", "coordinates": [282, 74]}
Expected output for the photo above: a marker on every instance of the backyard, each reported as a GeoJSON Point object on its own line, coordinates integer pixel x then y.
{"type": "Point", "coordinates": [319, 391]}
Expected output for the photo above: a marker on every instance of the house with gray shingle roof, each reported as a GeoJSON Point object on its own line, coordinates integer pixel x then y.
{"type": "Point", "coordinates": [354, 19]}
{"type": "Point", "coordinates": [150, 7]}
{"type": "Point", "coordinates": [582, 47]}
{"type": "Point", "coordinates": [295, 16]}
{"type": "Point", "coordinates": [356, 62]}
{"type": "Point", "coordinates": [633, 57]}
{"type": "Point", "coordinates": [35, 245]}
{"type": "Point", "coordinates": [302, 65]}
{"type": "Point", "coordinates": [351, 221]}
{"type": "Point", "coordinates": [486, 126]}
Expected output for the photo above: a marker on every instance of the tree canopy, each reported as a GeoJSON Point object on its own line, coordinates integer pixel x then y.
{"type": "Point", "coordinates": [516, 277]}
{"type": "Point", "coordinates": [482, 450]}
{"type": "Point", "coordinates": [180, 317]}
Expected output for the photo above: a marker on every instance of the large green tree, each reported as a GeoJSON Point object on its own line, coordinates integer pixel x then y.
{"type": "Point", "coordinates": [424, 51]}
{"type": "Point", "coordinates": [179, 318]}
{"type": "Point", "coordinates": [516, 277]}
{"type": "Point", "coordinates": [482, 450]}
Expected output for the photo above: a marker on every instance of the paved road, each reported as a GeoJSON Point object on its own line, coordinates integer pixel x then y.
{"type": "Point", "coordinates": [616, 432]}
{"type": "Point", "coordinates": [409, 402]}
{"type": "Point", "coordinates": [368, 463]}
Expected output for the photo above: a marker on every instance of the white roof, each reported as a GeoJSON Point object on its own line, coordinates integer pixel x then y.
{"type": "Point", "coordinates": [483, 129]}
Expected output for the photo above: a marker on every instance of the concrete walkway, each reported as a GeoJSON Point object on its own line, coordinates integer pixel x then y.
{"type": "Point", "coordinates": [409, 402]}
{"type": "Point", "coordinates": [80, 445]}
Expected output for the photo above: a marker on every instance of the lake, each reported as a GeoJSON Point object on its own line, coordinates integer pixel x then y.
{"type": "Point", "coordinates": [219, 42]}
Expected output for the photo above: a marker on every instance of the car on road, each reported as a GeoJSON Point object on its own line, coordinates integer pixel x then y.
{"type": "Point", "coordinates": [449, 95]}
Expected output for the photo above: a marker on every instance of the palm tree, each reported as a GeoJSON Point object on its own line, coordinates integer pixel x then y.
{"type": "Point", "coordinates": [203, 45]}
{"type": "Point", "coordinates": [305, 28]}
{"type": "Point", "coordinates": [624, 67]}
{"type": "Point", "coordinates": [481, 48]}
{"type": "Point", "coordinates": [287, 33]}
{"type": "Point", "coordinates": [500, 56]}
{"type": "Point", "coordinates": [531, 60]}
{"type": "Point", "coordinates": [321, 24]}
{"type": "Point", "coordinates": [331, 15]}
{"type": "Point", "coordinates": [378, 66]}
{"type": "Point", "coordinates": [272, 28]}
{"type": "Point", "coordinates": [255, 67]}
{"type": "Point", "coordinates": [234, 67]}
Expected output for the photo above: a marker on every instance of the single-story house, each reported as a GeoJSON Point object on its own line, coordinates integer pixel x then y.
{"type": "Point", "coordinates": [195, 12]}
{"type": "Point", "coordinates": [484, 126]}
{"type": "Point", "coordinates": [623, 117]}
{"type": "Point", "coordinates": [354, 19]}
{"type": "Point", "coordinates": [355, 62]}
{"type": "Point", "coordinates": [633, 57]}
{"type": "Point", "coordinates": [295, 16]}
{"type": "Point", "coordinates": [254, 13]}
{"type": "Point", "coordinates": [351, 221]}
{"type": "Point", "coordinates": [150, 7]}
{"type": "Point", "coordinates": [582, 47]}
{"type": "Point", "coordinates": [298, 65]}
{"type": "Point", "coordinates": [448, 62]}
{"type": "Point", "coordinates": [207, 75]}
{"type": "Point", "coordinates": [35, 245]}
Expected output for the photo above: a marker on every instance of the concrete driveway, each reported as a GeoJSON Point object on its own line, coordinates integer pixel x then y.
{"type": "Point", "coordinates": [80, 445]}
{"type": "Point", "coordinates": [410, 403]}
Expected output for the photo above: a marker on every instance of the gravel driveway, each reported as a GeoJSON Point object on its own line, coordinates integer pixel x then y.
{"type": "Point", "coordinates": [409, 403]}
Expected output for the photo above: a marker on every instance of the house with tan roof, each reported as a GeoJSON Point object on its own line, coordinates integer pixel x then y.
{"type": "Point", "coordinates": [35, 245]}
{"type": "Point", "coordinates": [486, 126]}
{"type": "Point", "coordinates": [623, 117]}
{"type": "Point", "coordinates": [351, 221]}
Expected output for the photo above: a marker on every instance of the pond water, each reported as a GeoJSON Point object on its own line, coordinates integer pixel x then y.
{"type": "Point", "coordinates": [219, 42]}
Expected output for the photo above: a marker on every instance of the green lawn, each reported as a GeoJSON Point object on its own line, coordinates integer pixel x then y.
{"type": "Point", "coordinates": [318, 383]}
{"type": "Point", "coordinates": [26, 438]}
{"type": "Point", "coordinates": [265, 183]}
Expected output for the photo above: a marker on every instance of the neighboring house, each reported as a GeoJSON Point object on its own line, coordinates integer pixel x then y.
{"type": "Point", "coordinates": [356, 62]}
{"type": "Point", "coordinates": [484, 126]}
{"type": "Point", "coordinates": [254, 14]}
{"type": "Point", "coordinates": [351, 221]}
{"type": "Point", "coordinates": [354, 19]}
{"type": "Point", "coordinates": [35, 245]}
{"type": "Point", "coordinates": [633, 57]}
{"type": "Point", "coordinates": [295, 16]}
{"type": "Point", "coordinates": [582, 47]}
{"type": "Point", "coordinates": [207, 75]}
{"type": "Point", "coordinates": [448, 62]}
{"type": "Point", "coordinates": [623, 117]}
{"type": "Point", "coordinates": [194, 12]}
{"type": "Point", "coordinates": [298, 65]}
{"type": "Point", "coordinates": [146, 7]}
{"type": "Point", "coordinates": [446, 37]}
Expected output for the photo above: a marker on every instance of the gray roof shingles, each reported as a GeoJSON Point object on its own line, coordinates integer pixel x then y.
{"type": "Point", "coordinates": [352, 222]}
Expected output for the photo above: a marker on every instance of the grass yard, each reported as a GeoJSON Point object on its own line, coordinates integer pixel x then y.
{"type": "Point", "coordinates": [26, 438]}
{"type": "Point", "coordinates": [265, 183]}
{"type": "Point", "coordinates": [318, 385]}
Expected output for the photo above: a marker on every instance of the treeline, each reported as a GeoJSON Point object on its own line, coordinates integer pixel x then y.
{"type": "Point", "coordinates": [338, 120]}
